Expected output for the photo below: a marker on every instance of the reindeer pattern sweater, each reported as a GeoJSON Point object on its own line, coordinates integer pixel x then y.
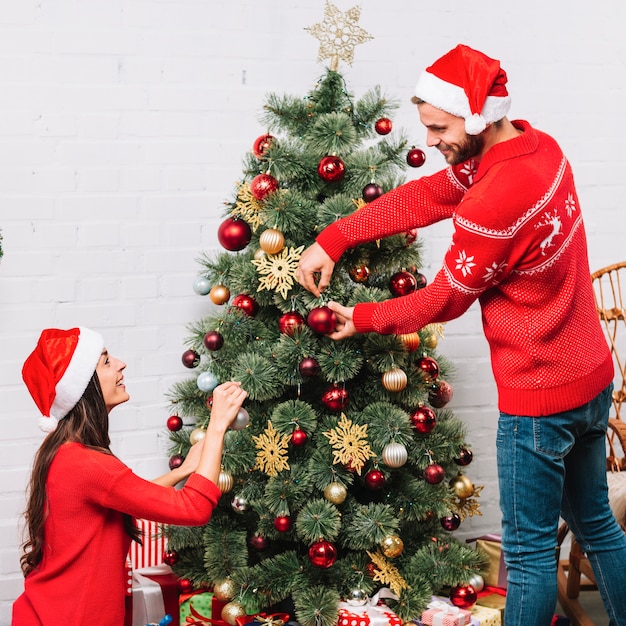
{"type": "Point", "coordinates": [81, 579]}
{"type": "Point", "coordinates": [519, 247]}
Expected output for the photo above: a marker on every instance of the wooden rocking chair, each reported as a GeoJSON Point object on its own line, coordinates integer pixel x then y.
{"type": "Point", "coordinates": [574, 573]}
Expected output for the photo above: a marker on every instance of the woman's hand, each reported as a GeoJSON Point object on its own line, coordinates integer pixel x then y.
{"type": "Point", "coordinates": [315, 262]}
{"type": "Point", "coordinates": [227, 400]}
{"type": "Point", "coordinates": [344, 326]}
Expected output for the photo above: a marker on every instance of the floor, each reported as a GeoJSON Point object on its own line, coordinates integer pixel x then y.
{"type": "Point", "coordinates": [592, 603]}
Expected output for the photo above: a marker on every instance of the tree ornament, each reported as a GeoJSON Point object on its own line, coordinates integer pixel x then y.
{"type": "Point", "coordinates": [196, 435]}
{"type": "Point", "coordinates": [410, 341]}
{"type": "Point", "coordinates": [331, 169]}
{"type": "Point", "coordinates": [174, 423]}
{"type": "Point", "coordinates": [190, 359]}
{"type": "Point", "coordinates": [402, 283]}
{"type": "Point", "coordinates": [423, 419]}
{"type": "Point", "coordinates": [422, 281]}
{"type": "Point", "coordinates": [272, 241]}
{"type": "Point", "coordinates": [392, 546]}
{"type": "Point", "coordinates": [371, 191]}
{"type": "Point", "coordinates": [335, 493]}
{"type": "Point", "coordinates": [394, 380]}
{"type": "Point", "coordinates": [258, 542]}
{"type": "Point", "coordinates": [322, 320]}
{"type": "Point", "coordinates": [356, 597]}
{"type": "Point", "coordinates": [202, 285]}
{"type": "Point", "coordinates": [383, 126]}
{"type": "Point", "coordinates": [185, 585]}
{"type": "Point", "coordinates": [261, 146]}
{"type": "Point", "coordinates": [463, 596]}
{"type": "Point", "coordinates": [429, 367]}
{"type": "Point", "coordinates": [298, 437]}
{"type": "Point", "coordinates": [219, 294]}
{"type": "Point", "coordinates": [309, 367]}
{"type": "Point", "coordinates": [207, 381]}
{"type": "Point", "coordinates": [415, 157]}
{"type": "Point", "coordinates": [434, 474]}
{"type": "Point", "coordinates": [322, 554]}
{"type": "Point", "coordinates": [278, 271]}
{"type": "Point", "coordinates": [349, 442]}
{"type": "Point", "coordinates": [209, 402]}
{"type": "Point", "coordinates": [239, 504]}
{"type": "Point", "coordinates": [224, 590]}
{"type": "Point", "coordinates": [234, 234]}
{"type": "Point", "coordinates": [283, 523]}
{"type": "Point", "coordinates": [410, 236]}
{"type": "Point", "coordinates": [176, 461]}
{"type": "Point", "coordinates": [263, 185]}
{"type": "Point", "coordinates": [247, 304]}
{"type": "Point", "coordinates": [374, 480]}
{"type": "Point", "coordinates": [225, 481]}
{"type": "Point", "coordinates": [335, 398]}
{"type": "Point", "coordinates": [451, 522]}
{"type": "Point", "coordinates": [289, 322]}
{"type": "Point", "coordinates": [465, 457]}
{"type": "Point", "coordinates": [242, 419]}
{"type": "Point", "coordinates": [395, 454]}
{"type": "Point", "coordinates": [170, 557]}
{"type": "Point", "coordinates": [463, 487]}
{"type": "Point", "coordinates": [431, 340]}
{"type": "Point", "coordinates": [359, 274]}
{"type": "Point", "coordinates": [477, 581]}
{"type": "Point", "coordinates": [213, 340]}
{"type": "Point", "coordinates": [272, 451]}
{"type": "Point", "coordinates": [231, 611]}
{"type": "Point", "coordinates": [440, 394]}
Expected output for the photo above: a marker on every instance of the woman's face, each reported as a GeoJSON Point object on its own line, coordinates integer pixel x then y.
{"type": "Point", "coordinates": [111, 378]}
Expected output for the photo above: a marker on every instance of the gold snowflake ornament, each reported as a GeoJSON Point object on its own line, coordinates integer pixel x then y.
{"type": "Point", "coordinates": [272, 447]}
{"type": "Point", "coordinates": [387, 573]}
{"type": "Point", "coordinates": [338, 35]}
{"type": "Point", "coordinates": [349, 442]}
{"type": "Point", "coordinates": [468, 507]}
{"type": "Point", "coordinates": [278, 271]}
{"type": "Point", "coordinates": [247, 206]}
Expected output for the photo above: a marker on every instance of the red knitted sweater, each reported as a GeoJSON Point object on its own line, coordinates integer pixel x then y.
{"type": "Point", "coordinates": [519, 247]}
{"type": "Point", "coordinates": [81, 579]}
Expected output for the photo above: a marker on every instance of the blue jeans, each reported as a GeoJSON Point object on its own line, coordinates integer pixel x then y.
{"type": "Point", "coordinates": [549, 467]}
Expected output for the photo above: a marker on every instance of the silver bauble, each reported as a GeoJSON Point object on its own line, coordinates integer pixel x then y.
{"type": "Point", "coordinates": [241, 420]}
{"type": "Point", "coordinates": [239, 504]}
{"type": "Point", "coordinates": [394, 454]}
{"type": "Point", "coordinates": [357, 597]}
{"type": "Point", "coordinates": [476, 580]}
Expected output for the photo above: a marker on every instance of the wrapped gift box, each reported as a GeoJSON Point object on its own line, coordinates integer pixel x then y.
{"type": "Point", "coordinates": [201, 608]}
{"type": "Point", "coordinates": [493, 601]}
{"type": "Point", "coordinates": [374, 613]}
{"type": "Point", "coordinates": [486, 616]}
{"type": "Point", "coordinates": [263, 619]}
{"type": "Point", "coordinates": [494, 574]}
{"type": "Point", "coordinates": [442, 613]}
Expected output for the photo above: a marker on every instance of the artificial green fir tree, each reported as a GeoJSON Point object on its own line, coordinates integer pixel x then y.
{"type": "Point", "coordinates": [345, 472]}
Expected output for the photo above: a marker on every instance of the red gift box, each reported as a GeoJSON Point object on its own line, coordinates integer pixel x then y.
{"type": "Point", "coordinates": [154, 593]}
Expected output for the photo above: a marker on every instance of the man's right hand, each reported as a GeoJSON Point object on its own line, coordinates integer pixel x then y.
{"type": "Point", "coordinates": [314, 263]}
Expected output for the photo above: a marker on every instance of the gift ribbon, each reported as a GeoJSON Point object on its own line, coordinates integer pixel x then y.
{"type": "Point", "coordinates": [444, 609]}
{"type": "Point", "coordinates": [152, 606]}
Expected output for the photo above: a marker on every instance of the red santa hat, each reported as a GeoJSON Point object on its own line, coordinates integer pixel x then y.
{"type": "Point", "coordinates": [466, 83]}
{"type": "Point", "coordinates": [59, 369]}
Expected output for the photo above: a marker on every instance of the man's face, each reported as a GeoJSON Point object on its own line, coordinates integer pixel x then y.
{"type": "Point", "coordinates": [446, 132]}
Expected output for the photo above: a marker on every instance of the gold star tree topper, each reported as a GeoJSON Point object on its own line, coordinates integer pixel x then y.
{"type": "Point", "coordinates": [338, 34]}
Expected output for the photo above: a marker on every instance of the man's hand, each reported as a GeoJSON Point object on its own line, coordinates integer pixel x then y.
{"type": "Point", "coordinates": [315, 262]}
{"type": "Point", "coordinates": [344, 326]}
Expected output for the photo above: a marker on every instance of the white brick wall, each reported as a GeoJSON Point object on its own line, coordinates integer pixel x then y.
{"type": "Point", "coordinates": [123, 125]}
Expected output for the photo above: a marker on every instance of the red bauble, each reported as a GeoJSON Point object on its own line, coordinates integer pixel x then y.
{"type": "Point", "coordinates": [209, 402]}
{"type": "Point", "coordinates": [176, 461]}
{"type": "Point", "coordinates": [263, 185]}
{"type": "Point", "coordinates": [415, 157]}
{"type": "Point", "coordinates": [170, 557]}
{"type": "Point", "coordinates": [185, 585]}
{"type": "Point", "coordinates": [383, 126]}
{"type": "Point", "coordinates": [463, 596]}
{"type": "Point", "coordinates": [261, 146]}
{"type": "Point", "coordinates": [410, 236]}
{"type": "Point", "coordinates": [371, 191]}
{"type": "Point", "coordinates": [331, 169]}
{"type": "Point", "coordinates": [422, 281]}
{"type": "Point", "coordinates": [434, 474]}
{"type": "Point", "coordinates": [423, 419]}
{"type": "Point", "coordinates": [258, 542]}
{"type": "Point", "coordinates": [234, 234]}
{"type": "Point", "coordinates": [335, 398]}
{"type": "Point", "coordinates": [247, 304]}
{"type": "Point", "coordinates": [298, 437]}
{"type": "Point", "coordinates": [289, 322]}
{"type": "Point", "coordinates": [282, 523]}
{"type": "Point", "coordinates": [322, 554]}
{"type": "Point", "coordinates": [174, 422]}
{"type": "Point", "coordinates": [465, 457]}
{"type": "Point", "coordinates": [451, 522]}
{"type": "Point", "coordinates": [190, 358]}
{"type": "Point", "coordinates": [374, 479]}
{"type": "Point", "coordinates": [309, 367]}
{"type": "Point", "coordinates": [359, 274]}
{"type": "Point", "coordinates": [429, 367]}
{"type": "Point", "coordinates": [440, 394]}
{"type": "Point", "coordinates": [213, 340]}
{"type": "Point", "coordinates": [322, 320]}
{"type": "Point", "coordinates": [402, 283]}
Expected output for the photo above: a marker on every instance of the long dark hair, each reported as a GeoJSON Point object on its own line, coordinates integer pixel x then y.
{"type": "Point", "coordinates": [86, 423]}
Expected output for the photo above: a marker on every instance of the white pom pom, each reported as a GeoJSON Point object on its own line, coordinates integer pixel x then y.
{"type": "Point", "coordinates": [475, 124]}
{"type": "Point", "coordinates": [48, 424]}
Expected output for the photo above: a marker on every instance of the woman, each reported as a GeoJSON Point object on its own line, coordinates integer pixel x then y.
{"type": "Point", "coordinates": [82, 499]}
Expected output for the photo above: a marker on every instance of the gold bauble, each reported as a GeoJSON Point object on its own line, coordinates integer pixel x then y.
{"type": "Point", "coordinates": [392, 546]}
{"type": "Point", "coordinates": [410, 341]}
{"type": "Point", "coordinates": [225, 481]}
{"type": "Point", "coordinates": [197, 434]}
{"type": "Point", "coordinates": [335, 493]}
{"type": "Point", "coordinates": [224, 590]}
{"type": "Point", "coordinates": [394, 379]}
{"type": "Point", "coordinates": [431, 341]}
{"type": "Point", "coordinates": [232, 611]}
{"type": "Point", "coordinates": [463, 486]}
{"type": "Point", "coordinates": [219, 294]}
{"type": "Point", "coordinates": [272, 241]}
{"type": "Point", "coordinates": [260, 254]}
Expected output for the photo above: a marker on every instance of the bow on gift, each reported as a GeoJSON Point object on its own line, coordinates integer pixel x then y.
{"type": "Point", "coordinates": [444, 609]}
{"type": "Point", "coordinates": [275, 619]}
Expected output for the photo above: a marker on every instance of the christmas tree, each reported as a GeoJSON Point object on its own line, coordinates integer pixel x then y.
{"type": "Point", "coordinates": [344, 472]}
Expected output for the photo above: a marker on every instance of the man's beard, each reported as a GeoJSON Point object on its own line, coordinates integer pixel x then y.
{"type": "Point", "coordinates": [468, 149]}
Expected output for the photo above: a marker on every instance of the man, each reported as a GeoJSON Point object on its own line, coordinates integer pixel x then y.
{"type": "Point", "coordinates": [519, 247]}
